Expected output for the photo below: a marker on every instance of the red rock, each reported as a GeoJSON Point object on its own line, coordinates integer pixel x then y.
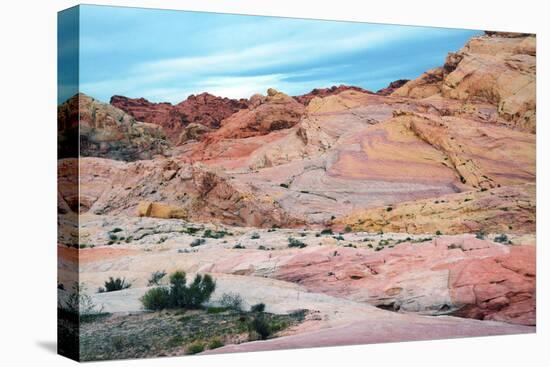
{"type": "Point", "coordinates": [491, 282]}
{"type": "Point", "coordinates": [392, 87]}
{"type": "Point", "coordinates": [204, 109]}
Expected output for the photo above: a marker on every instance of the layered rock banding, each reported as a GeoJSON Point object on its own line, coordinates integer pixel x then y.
{"type": "Point", "coordinates": [499, 68]}
{"type": "Point", "coordinates": [391, 207]}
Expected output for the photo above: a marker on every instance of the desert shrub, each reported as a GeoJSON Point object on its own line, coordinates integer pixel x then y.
{"type": "Point", "coordinates": [480, 235]}
{"type": "Point", "coordinates": [339, 238]}
{"type": "Point", "coordinates": [113, 284]}
{"type": "Point", "coordinates": [179, 294]}
{"type": "Point", "coordinates": [239, 246]}
{"type": "Point", "coordinates": [293, 242]}
{"type": "Point", "coordinates": [284, 185]}
{"type": "Point", "coordinates": [215, 343]}
{"type": "Point", "coordinates": [191, 230]}
{"type": "Point", "coordinates": [194, 348]}
{"type": "Point", "coordinates": [383, 243]}
{"type": "Point", "coordinates": [255, 236]}
{"type": "Point", "coordinates": [389, 209]}
{"type": "Point", "coordinates": [232, 301]}
{"type": "Point", "coordinates": [198, 242]}
{"type": "Point", "coordinates": [156, 277]}
{"type": "Point", "coordinates": [347, 229]}
{"type": "Point", "coordinates": [200, 290]}
{"type": "Point", "coordinates": [438, 233]}
{"type": "Point", "coordinates": [259, 307]}
{"type": "Point", "coordinates": [259, 326]}
{"type": "Point", "coordinates": [80, 305]}
{"type": "Point", "coordinates": [156, 299]}
{"type": "Point", "coordinates": [215, 310]}
{"type": "Point", "coordinates": [116, 230]}
{"type": "Point", "coordinates": [208, 233]}
{"type": "Point", "coordinates": [327, 231]}
{"type": "Point", "coordinates": [502, 238]}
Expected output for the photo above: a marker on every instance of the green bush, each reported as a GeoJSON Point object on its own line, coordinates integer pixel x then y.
{"type": "Point", "coordinates": [438, 233]}
{"type": "Point", "coordinates": [117, 284]}
{"type": "Point", "coordinates": [215, 310]}
{"type": "Point", "coordinates": [179, 295]}
{"type": "Point", "coordinates": [259, 307]}
{"type": "Point", "coordinates": [156, 299]}
{"type": "Point", "coordinates": [215, 343]}
{"type": "Point", "coordinates": [259, 326]}
{"type": "Point", "coordinates": [502, 238]}
{"type": "Point", "coordinates": [200, 291]}
{"type": "Point", "coordinates": [208, 233]}
{"type": "Point", "coordinates": [239, 246]}
{"type": "Point", "coordinates": [347, 229]}
{"type": "Point", "coordinates": [194, 348]}
{"type": "Point", "coordinates": [255, 236]}
{"type": "Point", "coordinates": [327, 231]}
{"type": "Point", "coordinates": [293, 242]}
{"type": "Point", "coordinates": [480, 235]}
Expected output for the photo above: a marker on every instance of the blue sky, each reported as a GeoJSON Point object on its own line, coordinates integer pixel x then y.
{"type": "Point", "coordinates": [167, 55]}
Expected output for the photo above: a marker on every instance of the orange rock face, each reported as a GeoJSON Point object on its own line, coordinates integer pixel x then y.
{"type": "Point", "coordinates": [506, 209]}
{"type": "Point", "coordinates": [496, 68]}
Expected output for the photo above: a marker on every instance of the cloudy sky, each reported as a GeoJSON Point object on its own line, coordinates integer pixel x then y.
{"type": "Point", "coordinates": [166, 55]}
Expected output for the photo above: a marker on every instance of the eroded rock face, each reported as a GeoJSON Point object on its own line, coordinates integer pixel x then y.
{"type": "Point", "coordinates": [276, 112]}
{"type": "Point", "coordinates": [106, 131]}
{"type": "Point", "coordinates": [458, 275]}
{"type": "Point", "coordinates": [392, 87]}
{"type": "Point", "coordinates": [435, 277]}
{"type": "Point", "coordinates": [204, 109]}
{"type": "Point", "coordinates": [494, 68]}
{"type": "Point", "coordinates": [356, 150]}
{"type": "Point", "coordinates": [324, 92]}
{"type": "Point", "coordinates": [191, 191]}
{"type": "Point", "coordinates": [498, 210]}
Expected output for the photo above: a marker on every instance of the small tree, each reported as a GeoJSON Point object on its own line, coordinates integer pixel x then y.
{"type": "Point", "coordinates": [179, 295]}
{"type": "Point", "coordinates": [178, 290]}
{"type": "Point", "coordinates": [200, 290]}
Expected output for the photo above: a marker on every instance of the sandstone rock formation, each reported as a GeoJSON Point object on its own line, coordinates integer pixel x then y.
{"type": "Point", "coordinates": [392, 87]}
{"type": "Point", "coordinates": [160, 210]}
{"type": "Point", "coordinates": [499, 210]}
{"type": "Point", "coordinates": [177, 190]}
{"type": "Point", "coordinates": [106, 131]}
{"type": "Point", "coordinates": [204, 109]}
{"type": "Point", "coordinates": [495, 68]}
{"type": "Point", "coordinates": [370, 210]}
{"type": "Point", "coordinates": [276, 112]}
{"type": "Point", "coordinates": [324, 92]}
{"type": "Point", "coordinates": [458, 275]}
